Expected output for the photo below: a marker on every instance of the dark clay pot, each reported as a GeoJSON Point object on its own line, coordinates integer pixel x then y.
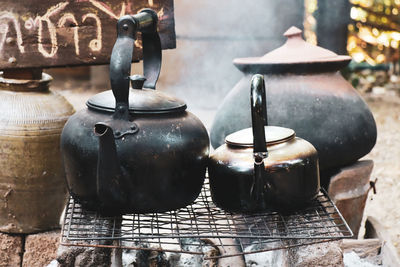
{"type": "Point", "coordinates": [307, 94]}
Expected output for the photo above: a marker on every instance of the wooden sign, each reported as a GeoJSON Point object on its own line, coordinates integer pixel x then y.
{"type": "Point", "coordinates": [37, 33]}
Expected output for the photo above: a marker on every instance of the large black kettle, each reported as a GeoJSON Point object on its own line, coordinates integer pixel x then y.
{"type": "Point", "coordinates": [139, 151]}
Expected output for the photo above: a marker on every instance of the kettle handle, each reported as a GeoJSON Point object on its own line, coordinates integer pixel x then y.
{"type": "Point", "coordinates": [122, 53]}
{"type": "Point", "coordinates": [258, 113]}
{"type": "Point", "coordinates": [259, 120]}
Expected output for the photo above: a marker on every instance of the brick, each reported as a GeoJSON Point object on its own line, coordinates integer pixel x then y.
{"type": "Point", "coordinates": [351, 179]}
{"type": "Point", "coordinates": [41, 249]}
{"type": "Point", "coordinates": [10, 250]}
{"type": "Point", "coordinates": [349, 190]}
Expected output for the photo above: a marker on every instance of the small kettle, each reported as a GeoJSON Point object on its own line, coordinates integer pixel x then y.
{"type": "Point", "coordinates": [263, 167]}
{"type": "Point", "coordinates": [134, 150]}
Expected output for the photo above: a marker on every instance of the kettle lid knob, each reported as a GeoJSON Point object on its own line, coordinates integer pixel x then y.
{"type": "Point", "coordinates": [137, 81]}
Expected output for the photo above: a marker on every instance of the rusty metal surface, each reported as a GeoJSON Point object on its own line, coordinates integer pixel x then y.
{"type": "Point", "coordinates": [197, 224]}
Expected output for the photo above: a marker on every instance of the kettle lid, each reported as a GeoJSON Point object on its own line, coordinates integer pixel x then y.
{"type": "Point", "coordinates": [295, 51]}
{"type": "Point", "coordinates": [142, 101]}
{"type": "Point", "coordinates": [273, 135]}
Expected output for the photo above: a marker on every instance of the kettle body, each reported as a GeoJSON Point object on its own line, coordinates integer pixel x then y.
{"type": "Point", "coordinates": [263, 167]}
{"type": "Point", "coordinates": [163, 163]}
{"type": "Point", "coordinates": [134, 150]}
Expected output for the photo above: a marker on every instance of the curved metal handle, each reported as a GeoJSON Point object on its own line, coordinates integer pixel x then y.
{"type": "Point", "coordinates": [121, 57]}
{"type": "Point", "coordinates": [258, 114]}
{"type": "Point", "coordinates": [151, 50]}
{"type": "Point", "coordinates": [120, 64]}
{"type": "Point", "coordinates": [260, 152]}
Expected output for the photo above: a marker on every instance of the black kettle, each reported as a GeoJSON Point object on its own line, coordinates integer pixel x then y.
{"type": "Point", "coordinates": [139, 151]}
{"type": "Point", "coordinates": [263, 167]}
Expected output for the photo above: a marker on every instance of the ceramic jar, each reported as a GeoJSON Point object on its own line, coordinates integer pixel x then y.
{"type": "Point", "coordinates": [32, 182]}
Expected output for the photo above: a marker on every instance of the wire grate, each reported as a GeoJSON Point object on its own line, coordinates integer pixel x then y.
{"type": "Point", "coordinates": [202, 224]}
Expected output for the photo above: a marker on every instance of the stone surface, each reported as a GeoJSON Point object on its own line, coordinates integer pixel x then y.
{"type": "Point", "coordinates": [268, 258]}
{"type": "Point", "coordinates": [322, 254]}
{"type": "Point", "coordinates": [351, 179]}
{"type": "Point", "coordinates": [375, 229]}
{"type": "Point", "coordinates": [352, 259]}
{"type": "Point", "coordinates": [384, 206]}
{"type": "Point", "coordinates": [10, 250]}
{"type": "Point", "coordinates": [41, 249]}
{"type": "Point", "coordinates": [349, 190]}
{"type": "Point", "coordinates": [368, 250]}
{"type": "Point", "coordinates": [83, 256]}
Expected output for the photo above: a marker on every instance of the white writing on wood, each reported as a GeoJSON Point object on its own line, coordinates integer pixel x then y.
{"type": "Point", "coordinates": [95, 44]}
{"type": "Point", "coordinates": [46, 23]}
{"type": "Point", "coordinates": [5, 18]}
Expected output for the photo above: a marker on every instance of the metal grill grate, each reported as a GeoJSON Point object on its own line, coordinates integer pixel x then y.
{"type": "Point", "coordinates": [191, 229]}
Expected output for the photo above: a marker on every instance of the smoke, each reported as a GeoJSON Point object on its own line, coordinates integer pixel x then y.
{"type": "Point", "coordinates": [210, 34]}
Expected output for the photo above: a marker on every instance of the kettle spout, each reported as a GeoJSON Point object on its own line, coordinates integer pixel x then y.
{"type": "Point", "coordinates": [110, 183]}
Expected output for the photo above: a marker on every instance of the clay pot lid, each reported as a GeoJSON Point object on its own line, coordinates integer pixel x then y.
{"type": "Point", "coordinates": [141, 101]}
{"type": "Point", "coordinates": [273, 135]}
{"type": "Point", "coordinates": [295, 51]}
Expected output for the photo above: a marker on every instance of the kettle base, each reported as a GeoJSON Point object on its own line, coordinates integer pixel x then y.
{"type": "Point", "coordinates": [111, 209]}
{"type": "Point", "coordinates": [283, 207]}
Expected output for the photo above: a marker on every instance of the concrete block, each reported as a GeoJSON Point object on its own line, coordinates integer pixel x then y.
{"type": "Point", "coordinates": [349, 190]}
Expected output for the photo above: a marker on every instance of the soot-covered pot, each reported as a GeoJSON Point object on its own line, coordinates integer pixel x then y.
{"type": "Point", "coordinates": [306, 93]}
{"type": "Point", "coordinates": [263, 167]}
{"type": "Point", "coordinates": [139, 150]}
